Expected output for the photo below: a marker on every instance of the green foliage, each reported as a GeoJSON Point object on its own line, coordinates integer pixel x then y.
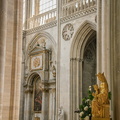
{"type": "Point", "coordinates": [85, 107]}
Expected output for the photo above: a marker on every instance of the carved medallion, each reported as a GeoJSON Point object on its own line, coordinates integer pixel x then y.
{"type": "Point", "coordinates": [68, 31]}
{"type": "Point", "coordinates": [36, 62]}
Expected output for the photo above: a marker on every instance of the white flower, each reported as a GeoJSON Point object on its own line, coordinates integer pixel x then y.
{"type": "Point", "coordinates": [81, 113]}
{"type": "Point", "coordinates": [86, 108]}
{"type": "Point", "coordinates": [87, 100]}
{"type": "Point", "coordinates": [90, 88]}
{"type": "Point", "coordinates": [87, 118]}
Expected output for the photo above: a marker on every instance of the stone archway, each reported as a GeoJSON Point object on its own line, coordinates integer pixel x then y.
{"type": "Point", "coordinates": [85, 34]}
{"type": "Point", "coordinates": [29, 113]}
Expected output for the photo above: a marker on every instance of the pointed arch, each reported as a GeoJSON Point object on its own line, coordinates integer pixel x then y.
{"type": "Point", "coordinates": [83, 36]}
{"type": "Point", "coordinates": [40, 35]}
{"type": "Point", "coordinates": [31, 76]}
{"type": "Point", "coordinates": [86, 29]}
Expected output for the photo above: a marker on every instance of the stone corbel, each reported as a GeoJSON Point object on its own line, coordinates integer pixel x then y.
{"type": "Point", "coordinates": [45, 89]}
{"type": "Point", "coordinates": [29, 89]}
{"type": "Point", "coordinates": [52, 90]}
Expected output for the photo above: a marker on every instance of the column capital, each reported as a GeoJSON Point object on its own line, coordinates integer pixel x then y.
{"type": "Point", "coordinates": [76, 59]}
{"type": "Point", "coordinates": [29, 89]}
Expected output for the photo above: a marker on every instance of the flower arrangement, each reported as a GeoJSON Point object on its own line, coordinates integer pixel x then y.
{"type": "Point", "coordinates": [85, 108]}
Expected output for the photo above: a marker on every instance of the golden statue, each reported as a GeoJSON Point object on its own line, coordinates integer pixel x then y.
{"type": "Point", "coordinates": [100, 103]}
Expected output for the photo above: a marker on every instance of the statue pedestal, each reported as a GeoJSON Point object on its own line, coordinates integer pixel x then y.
{"type": "Point", "coordinates": [101, 118]}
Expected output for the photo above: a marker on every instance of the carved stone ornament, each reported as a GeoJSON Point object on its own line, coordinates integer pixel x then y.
{"type": "Point", "coordinates": [68, 31]}
{"type": "Point", "coordinates": [36, 62]}
{"type": "Point", "coordinates": [60, 113]}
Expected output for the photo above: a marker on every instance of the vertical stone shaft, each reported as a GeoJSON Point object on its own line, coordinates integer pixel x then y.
{"type": "Point", "coordinates": [103, 38]}
{"type": "Point", "coordinates": [10, 62]}
{"type": "Point", "coordinates": [3, 30]}
{"type": "Point", "coordinates": [105, 43]}
{"type": "Point", "coordinates": [45, 104]}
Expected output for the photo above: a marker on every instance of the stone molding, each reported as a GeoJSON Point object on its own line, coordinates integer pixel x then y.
{"type": "Point", "coordinates": [42, 27]}
{"type": "Point", "coordinates": [52, 90]}
{"type": "Point", "coordinates": [79, 14]}
{"type": "Point", "coordinates": [62, 20]}
{"type": "Point", "coordinates": [76, 59]}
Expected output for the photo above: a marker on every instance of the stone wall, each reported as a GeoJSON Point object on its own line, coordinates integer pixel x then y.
{"type": "Point", "coordinates": [10, 58]}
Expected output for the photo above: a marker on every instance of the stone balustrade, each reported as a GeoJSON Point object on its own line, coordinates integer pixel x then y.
{"type": "Point", "coordinates": [41, 19]}
{"type": "Point", "coordinates": [68, 8]}
{"type": "Point", "coordinates": [73, 6]}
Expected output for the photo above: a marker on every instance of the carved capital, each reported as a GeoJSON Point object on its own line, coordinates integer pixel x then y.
{"type": "Point", "coordinates": [76, 59]}
{"type": "Point", "coordinates": [71, 59]}
{"type": "Point", "coordinates": [80, 60]}
{"type": "Point", "coordinates": [52, 90]}
{"type": "Point", "coordinates": [45, 89]}
{"type": "Point", "coordinates": [29, 89]}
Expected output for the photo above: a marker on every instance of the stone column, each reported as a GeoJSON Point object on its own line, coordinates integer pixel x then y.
{"type": "Point", "coordinates": [73, 92]}
{"type": "Point", "coordinates": [3, 31]}
{"type": "Point", "coordinates": [28, 103]}
{"type": "Point", "coordinates": [30, 5]}
{"type": "Point", "coordinates": [99, 46]}
{"type": "Point", "coordinates": [10, 62]}
{"type": "Point", "coordinates": [28, 9]}
{"type": "Point", "coordinates": [22, 96]}
{"type": "Point", "coordinates": [27, 13]}
{"type": "Point", "coordinates": [58, 57]}
{"type": "Point", "coordinates": [45, 104]}
{"type": "Point", "coordinates": [103, 38]}
{"type": "Point", "coordinates": [37, 4]}
{"type": "Point", "coordinates": [115, 57]}
{"type": "Point", "coordinates": [52, 104]}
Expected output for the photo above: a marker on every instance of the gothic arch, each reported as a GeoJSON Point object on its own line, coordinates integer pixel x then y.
{"type": "Point", "coordinates": [81, 37]}
{"type": "Point", "coordinates": [31, 76]}
{"type": "Point", "coordinates": [29, 94]}
{"type": "Point", "coordinates": [85, 33]}
{"type": "Point", "coordinates": [51, 44]}
{"type": "Point", "coordinates": [40, 35]}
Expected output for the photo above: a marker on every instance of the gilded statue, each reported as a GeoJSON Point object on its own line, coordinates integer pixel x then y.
{"type": "Point", "coordinates": [100, 103]}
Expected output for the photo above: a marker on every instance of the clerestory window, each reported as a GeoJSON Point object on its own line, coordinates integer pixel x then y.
{"type": "Point", "coordinates": [46, 5]}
